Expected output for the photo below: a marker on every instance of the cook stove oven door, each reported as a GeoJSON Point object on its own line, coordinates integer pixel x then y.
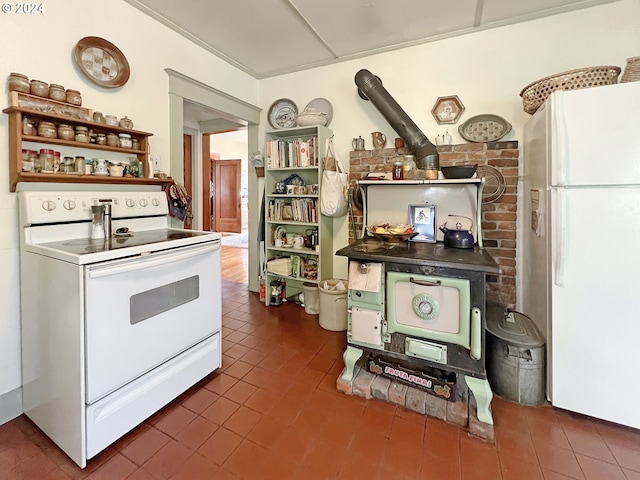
{"type": "Point", "coordinates": [429, 307]}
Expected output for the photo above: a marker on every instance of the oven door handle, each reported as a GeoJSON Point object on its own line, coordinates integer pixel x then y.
{"type": "Point", "coordinates": [140, 263]}
{"type": "Point", "coordinates": [426, 283]}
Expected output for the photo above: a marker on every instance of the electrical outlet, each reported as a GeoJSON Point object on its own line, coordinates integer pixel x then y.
{"type": "Point", "coordinates": [155, 160]}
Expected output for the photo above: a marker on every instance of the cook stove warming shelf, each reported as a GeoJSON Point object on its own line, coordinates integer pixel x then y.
{"type": "Point", "coordinates": [113, 328]}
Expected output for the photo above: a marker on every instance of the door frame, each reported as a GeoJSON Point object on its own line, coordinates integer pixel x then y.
{"type": "Point", "coordinates": [181, 88]}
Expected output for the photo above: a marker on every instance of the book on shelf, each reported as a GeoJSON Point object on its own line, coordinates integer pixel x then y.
{"type": "Point", "coordinates": [292, 153]}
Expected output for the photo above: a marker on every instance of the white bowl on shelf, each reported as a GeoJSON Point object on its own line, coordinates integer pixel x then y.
{"type": "Point", "coordinates": [311, 117]}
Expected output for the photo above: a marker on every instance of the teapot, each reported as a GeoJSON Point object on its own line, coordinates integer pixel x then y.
{"type": "Point", "coordinates": [298, 241]}
{"type": "Point", "coordinates": [458, 238]}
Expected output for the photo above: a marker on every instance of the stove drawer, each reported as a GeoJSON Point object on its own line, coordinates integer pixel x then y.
{"type": "Point", "coordinates": [366, 283]}
{"type": "Point", "coordinates": [425, 350]}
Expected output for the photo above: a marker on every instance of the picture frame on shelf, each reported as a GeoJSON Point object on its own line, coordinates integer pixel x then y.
{"type": "Point", "coordinates": [423, 218]}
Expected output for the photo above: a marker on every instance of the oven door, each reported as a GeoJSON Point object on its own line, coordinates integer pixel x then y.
{"type": "Point", "coordinates": [141, 312]}
{"type": "Point", "coordinates": [437, 308]}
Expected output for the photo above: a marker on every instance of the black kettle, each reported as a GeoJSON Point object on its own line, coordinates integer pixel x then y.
{"type": "Point", "coordinates": [458, 238]}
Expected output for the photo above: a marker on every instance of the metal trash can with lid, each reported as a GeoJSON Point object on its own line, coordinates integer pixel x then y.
{"type": "Point", "coordinates": [515, 357]}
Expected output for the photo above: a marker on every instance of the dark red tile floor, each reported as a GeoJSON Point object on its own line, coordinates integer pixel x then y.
{"type": "Point", "coordinates": [273, 412]}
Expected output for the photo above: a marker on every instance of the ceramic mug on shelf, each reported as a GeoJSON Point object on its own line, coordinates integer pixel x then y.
{"type": "Point", "coordinates": [100, 167]}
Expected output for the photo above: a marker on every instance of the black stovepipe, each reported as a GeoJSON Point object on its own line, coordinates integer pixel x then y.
{"type": "Point", "coordinates": [370, 88]}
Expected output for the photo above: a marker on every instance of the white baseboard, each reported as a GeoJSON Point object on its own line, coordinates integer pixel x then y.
{"type": "Point", "coordinates": [10, 405]}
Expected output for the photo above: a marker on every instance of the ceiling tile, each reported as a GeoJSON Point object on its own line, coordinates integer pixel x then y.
{"type": "Point", "coordinates": [352, 27]}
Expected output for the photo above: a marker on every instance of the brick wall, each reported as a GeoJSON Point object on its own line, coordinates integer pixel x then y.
{"type": "Point", "coordinates": [498, 218]}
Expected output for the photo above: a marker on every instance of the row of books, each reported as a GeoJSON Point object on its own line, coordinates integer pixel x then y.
{"type": "Point", "coordinates": [292, 153]}
{"type": "Point", "coordinates": [294, 210]}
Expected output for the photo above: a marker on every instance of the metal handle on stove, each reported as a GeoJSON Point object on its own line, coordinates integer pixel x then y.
{"type": "Point", "coordinates": [148, 261]}
{"type": "Point", "coordinates": [426, 283]}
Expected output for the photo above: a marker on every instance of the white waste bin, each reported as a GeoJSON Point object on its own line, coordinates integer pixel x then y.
{"type": "Point", "coordinates": [333, 304]}
{"type": "Point", "coordinates": [311, 298]}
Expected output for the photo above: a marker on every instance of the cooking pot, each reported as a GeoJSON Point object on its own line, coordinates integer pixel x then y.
{"type": "Point", "coordinates": [458, 238]}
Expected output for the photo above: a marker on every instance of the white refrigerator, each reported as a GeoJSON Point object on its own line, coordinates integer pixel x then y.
{"type": "Point", "coordinates": [580, 247]}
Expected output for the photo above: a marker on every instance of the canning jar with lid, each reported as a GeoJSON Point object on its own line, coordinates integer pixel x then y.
{"type": "Point", "coordinates": [101, 139]}
{"type": "Point", "coordinates": [74, 97]}
{"type": "Point", "coordinates": [68, 165]}
{"type": "Point", "coordinates": [46, 160]}
{"type": "Point", "coordinates": [397, 171]}
{"type": "Point", "coordinates": [27, 127]}
{"type": "Point", "coordinates": [28, 163]}
{"type": "Point", "coordinates": [65, 132]}
{"type": "Point", "coordinates": [135, 144]}
{"type": "Point", "coordinates": [56, 162]}
{"type": "Point", "coordinates": [47, 129]}
{"type": "Point", "coordinates": [57, 93]}
{"type": "Point", "coordinates": [19, 83]}
{"type": "Point", "coordinates": [39, 88]}
{"type": "Point", "coordinates": [80, 165]}
{"type": "Point", "coordinates": [125, 140]}
{"type": "Point", "coordinates": [82, 134]}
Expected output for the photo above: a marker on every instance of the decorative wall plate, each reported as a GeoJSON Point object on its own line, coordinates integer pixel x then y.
{"type": "Point", "coordinates": [447, 109]}
{"type": "Point", "coordinates": [484, 128]}
{"type": "Point", "coordinates": [322, 105]}
{"type": "Point", "coordinates": [282, 113]}
{"type": "Point", "coordinates": [102, 62]}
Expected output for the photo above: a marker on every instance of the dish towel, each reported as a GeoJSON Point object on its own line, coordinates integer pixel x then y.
{"type": "Point", "coordinates": [179, 201]}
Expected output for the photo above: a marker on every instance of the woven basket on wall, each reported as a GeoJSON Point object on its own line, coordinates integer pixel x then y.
{"type": "Point", "coordinates": [631, 71]}
{"type": "Point", "coordinates": [534, 94]}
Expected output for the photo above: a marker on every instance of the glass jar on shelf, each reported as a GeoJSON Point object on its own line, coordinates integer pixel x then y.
{"type": "Point", "coordinates": [82, 134]}
{"type": "Point", "coordinates": [46, 160]}
{"type": "Point", "coordinates": [125, 141]}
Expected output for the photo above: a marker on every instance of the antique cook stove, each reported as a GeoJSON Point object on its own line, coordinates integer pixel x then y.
{"type": "Point", "coordinates": [417, 313]}
{"type": "Point", "coordinates": [417, 309]}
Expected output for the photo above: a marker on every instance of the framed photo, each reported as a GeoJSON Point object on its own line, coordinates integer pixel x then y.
{"type": "Point", "coordinates": [423, 218]}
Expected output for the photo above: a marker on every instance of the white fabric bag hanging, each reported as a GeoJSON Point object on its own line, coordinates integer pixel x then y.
{"type": "Point", "coordinates": [334, 188]}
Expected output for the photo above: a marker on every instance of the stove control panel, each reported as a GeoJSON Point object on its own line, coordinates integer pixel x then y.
{"type": "Point", "coordinates": [58, 207]}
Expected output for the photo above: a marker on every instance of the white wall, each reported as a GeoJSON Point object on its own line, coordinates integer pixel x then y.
{"type": "Point", "coordinates": [487, 70]}
{"type": "Point", "coordinates": [41, 46]}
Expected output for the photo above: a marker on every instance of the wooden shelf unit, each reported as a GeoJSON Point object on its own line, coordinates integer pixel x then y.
{"type": "Point", "coordinates": [17, 138]}
{"type": "Point", "coordinates": [311, 174]}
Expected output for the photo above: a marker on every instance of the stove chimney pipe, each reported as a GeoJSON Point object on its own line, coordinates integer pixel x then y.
{"type": "Point", "coordinates": [370, 88]}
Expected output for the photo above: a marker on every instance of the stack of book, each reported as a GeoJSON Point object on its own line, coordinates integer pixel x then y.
{"type": "Point", "coordinates": [280, 266]}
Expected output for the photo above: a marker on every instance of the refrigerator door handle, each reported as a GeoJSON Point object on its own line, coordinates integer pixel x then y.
{"type": "Point", "coordinates": [559, 235]}
{"type": "Point", "coordinates": [558, 141]}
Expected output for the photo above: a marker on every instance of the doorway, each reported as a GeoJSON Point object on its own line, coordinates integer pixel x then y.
{"type": "Point", "coordinates": [227, 213]}
{"type": "Point", "coordinates": [230, 113]}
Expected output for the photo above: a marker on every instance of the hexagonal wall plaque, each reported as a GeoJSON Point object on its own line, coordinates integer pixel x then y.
{"type": "Point", "coordinates": [447, 109]}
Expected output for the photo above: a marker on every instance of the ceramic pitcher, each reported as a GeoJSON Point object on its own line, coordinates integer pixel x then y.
{"type": "Point", "coordinates": [379, 140]}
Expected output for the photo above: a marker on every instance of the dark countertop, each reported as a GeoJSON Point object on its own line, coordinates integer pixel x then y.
{"type": "Point", "coordinates": [421, 253]}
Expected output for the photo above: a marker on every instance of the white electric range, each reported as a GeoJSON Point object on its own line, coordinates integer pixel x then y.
{"type": "Point", "coordinates": [114, 328]}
